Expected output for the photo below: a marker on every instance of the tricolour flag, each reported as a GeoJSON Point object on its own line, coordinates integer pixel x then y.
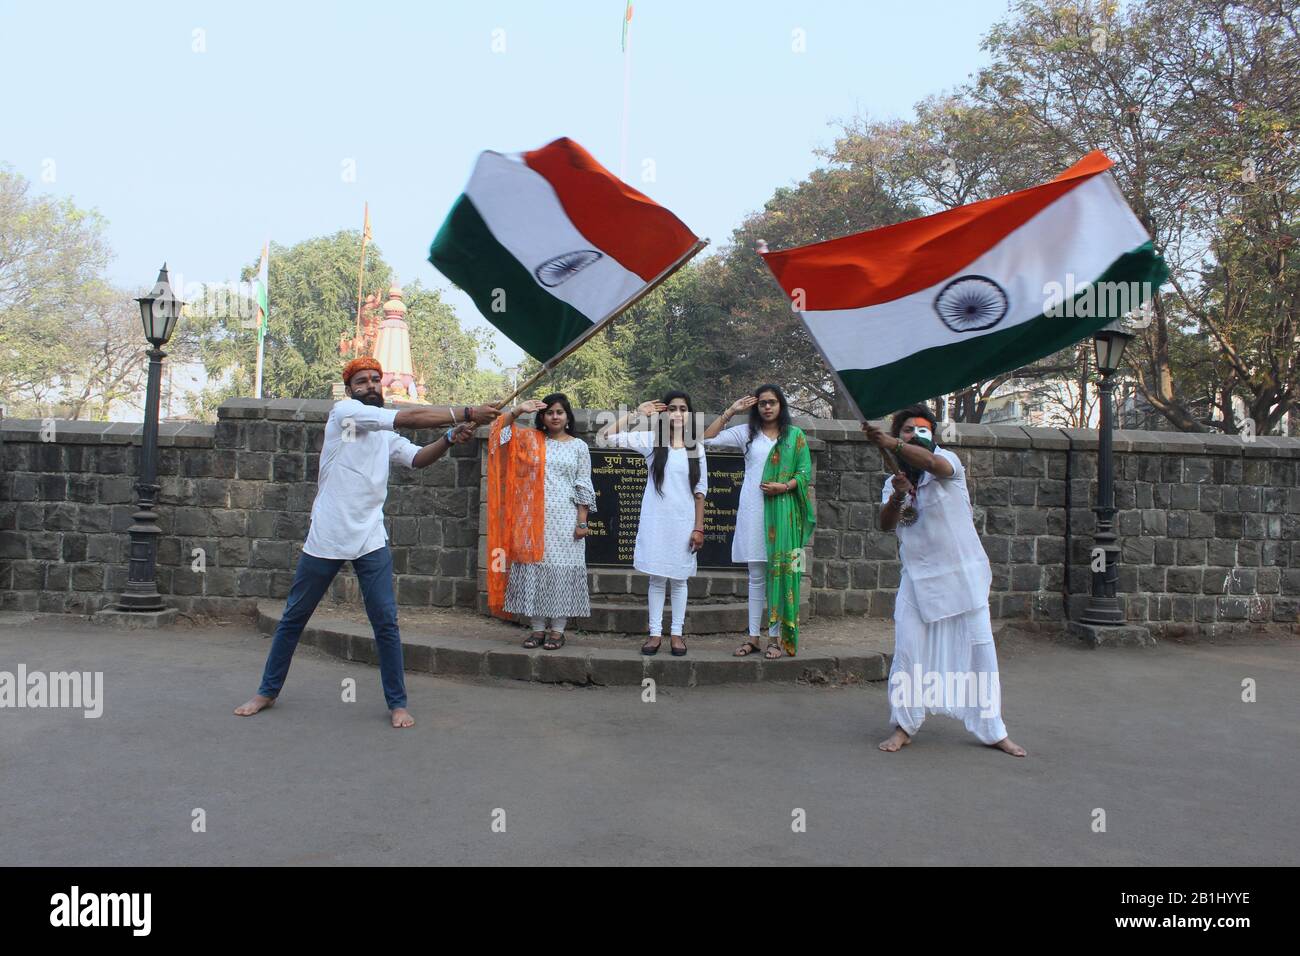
{"type": "Point", "coordinates": [259, 290]}
{"type": "Point", "coordinates": [932, 305]}
{"type": "Point", "coordinates": [260, 285]}
{"type": "Point", "coordinates": [550, 244]}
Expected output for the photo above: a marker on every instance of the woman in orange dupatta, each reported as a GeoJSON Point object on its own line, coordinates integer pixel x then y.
{"type": "Point", "coordinates": [539, 494]}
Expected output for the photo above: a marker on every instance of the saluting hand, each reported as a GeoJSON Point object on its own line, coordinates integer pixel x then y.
{"type": "Point", "coordinates": [741, 404]}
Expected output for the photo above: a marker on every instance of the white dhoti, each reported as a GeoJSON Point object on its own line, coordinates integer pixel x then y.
{"type": "Point", "coordinates": [944, 658]}
{"type": "Point", "coordinates": [949, 667]}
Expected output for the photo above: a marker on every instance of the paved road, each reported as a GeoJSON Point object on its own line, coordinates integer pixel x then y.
{"type": "Point", "coordinates": [1160, 739]}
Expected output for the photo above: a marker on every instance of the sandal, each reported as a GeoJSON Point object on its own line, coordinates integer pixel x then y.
{"type": "Point", "coordinates": [650, 650]}
{"type": "Point", "coordinates": [554, 641]}
{"type": "Point", "coordinates": [744, 650]}
{"type": "Point", "coordinates": [534, 639]}
{"type": "Point", "coordinates": [672, 641]}
{"type": "Point", "coordinates": [773, 652]}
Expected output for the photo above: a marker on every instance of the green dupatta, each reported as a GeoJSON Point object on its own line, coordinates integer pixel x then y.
{"type": "Point", "coordinates": [789, 520]}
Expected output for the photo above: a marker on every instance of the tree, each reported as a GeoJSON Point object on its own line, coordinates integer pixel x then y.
{"type": "Point", "coordinates": [52, 259]}
{"type": "Point", "coordinates": [312, 301]}
{"type": "Point", "coordinates": [446, 355]}
{"type": "Point", "coordinates": [1196, 101]}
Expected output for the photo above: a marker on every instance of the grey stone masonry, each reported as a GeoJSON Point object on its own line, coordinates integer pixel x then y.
{"type": "Point", "coordinates": [234, 506]}
{"type": "Point", "coordinates": [1209, 525]}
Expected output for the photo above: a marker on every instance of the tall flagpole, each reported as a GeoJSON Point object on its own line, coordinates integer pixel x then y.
{"type": "Point", "coordinates": [264, 309]}
{"type": "Point", "coordinates": [627, 87]}
{"type": "Point", "coordinates": [361, 270]}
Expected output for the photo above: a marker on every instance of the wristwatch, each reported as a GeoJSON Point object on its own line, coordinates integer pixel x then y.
{"type": "Point", "coordinates": [582, 524]}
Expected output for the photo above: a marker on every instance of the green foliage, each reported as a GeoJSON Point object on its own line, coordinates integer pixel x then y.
{"type": "Point", "coordinates": [52, 260]}
{"type": "Point", "coordinates": [312, 304]}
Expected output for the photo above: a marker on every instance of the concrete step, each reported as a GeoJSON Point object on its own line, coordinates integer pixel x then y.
{"type": "Point", "coordinates": [577, 662]}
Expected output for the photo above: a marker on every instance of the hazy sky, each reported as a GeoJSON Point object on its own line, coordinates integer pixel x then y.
{"type": "Point", "coordinates": [196, 146]}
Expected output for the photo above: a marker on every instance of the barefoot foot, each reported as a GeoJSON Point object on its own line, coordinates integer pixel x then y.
{"type": "Point", "coordinates": [402, 717]}
{"type": "Point", "coordinates": [896, 741]}
{"type": "Point", "coordinates": [1007, 745]}
{"type": "Point", "coordinates": [258, 702]}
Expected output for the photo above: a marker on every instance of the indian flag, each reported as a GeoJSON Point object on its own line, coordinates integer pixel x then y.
{"type": "Point", "coordinates": [928, 306]}
{"type": "Point", "coordinates": [259, 291]}
{"type": "Point", "coordinates": [549, 244]}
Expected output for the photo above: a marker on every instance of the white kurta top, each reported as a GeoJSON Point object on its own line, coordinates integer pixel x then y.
{"type": "Point", "coordinates": [663, 533]}
{"type": "Point", "coordinates": [347, 517]}
{"type": "Point", "coordinates": [749, 542]}
{"type": "Point", "coordinates": [945, 568]}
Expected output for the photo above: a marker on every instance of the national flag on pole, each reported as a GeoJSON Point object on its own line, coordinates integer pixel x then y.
{"type": "Point", "coordinates": [932, 305]}
{"type": "Point", "coordinates": [550, 244]}
{"type": "Point", "coordinates": [259, 290]}
{"type": "Point", "coordinates": [260, 285]}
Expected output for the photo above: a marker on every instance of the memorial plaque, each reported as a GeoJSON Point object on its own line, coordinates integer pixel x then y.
{"type": "Point", "coordinates": [620, 478]}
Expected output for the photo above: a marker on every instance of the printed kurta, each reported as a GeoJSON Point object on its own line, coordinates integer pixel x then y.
{"type": "Point", "coordinates": [556, 586]}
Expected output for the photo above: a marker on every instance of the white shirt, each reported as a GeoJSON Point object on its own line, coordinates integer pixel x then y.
{"type": "Point", "coordinates": [943, 560]}
{"type": "Point", "coordinates": [347, 517]}
{"type": "Point", "coordinates": [663, 532]}
{"type": "Point", "coordinates": [749, 543]}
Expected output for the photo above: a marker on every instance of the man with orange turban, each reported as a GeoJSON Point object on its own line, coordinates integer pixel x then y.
{"type": "Point", "coordinates": [347, 522]}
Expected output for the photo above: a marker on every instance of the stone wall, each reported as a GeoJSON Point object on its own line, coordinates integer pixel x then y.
{"type": "Point", "coordinates": [241, 491]}
{"type": "Point", "coordinates": [1209, 525]}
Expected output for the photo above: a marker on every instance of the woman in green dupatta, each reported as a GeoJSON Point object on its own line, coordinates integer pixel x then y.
{"type": "Point", "coordinates": [789, 516]}
{"type": "Point", "coordinates": [774, 517]}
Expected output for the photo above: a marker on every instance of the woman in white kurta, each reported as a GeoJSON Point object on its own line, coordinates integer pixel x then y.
{"type": "Point", "coordinates": [670, 531]}
{"type": "Point", "coordinates": [749, 545]}
{"type": "Point", "coordinates": [945, 661]}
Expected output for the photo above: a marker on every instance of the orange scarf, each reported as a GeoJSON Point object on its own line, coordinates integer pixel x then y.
{"type": "Point", "coordinates": [516, 506]}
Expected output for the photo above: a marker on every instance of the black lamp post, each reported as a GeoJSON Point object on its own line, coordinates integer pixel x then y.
{"type": "Point", "coordinates": [1103, 607]}
{"type": "Point", "coordinates": [159, 311]}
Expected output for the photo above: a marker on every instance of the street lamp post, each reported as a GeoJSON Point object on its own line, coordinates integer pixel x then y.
{"type": "Point", "coordinates": [1103, 606]}
{"type": "Point", "coordinates": [159, 311]}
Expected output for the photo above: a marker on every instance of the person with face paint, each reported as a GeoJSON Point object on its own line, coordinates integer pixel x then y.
{"type": "Point", "coordinates": [671, 528]}
{"type": "Point", "coordinates": [547, 471]}
{"type": "Point", "coordinates": [347, 522]}
{"type": "Point", "coordinates": [944, 658]}
{"type": "Point", "coordinates": [775, 517]}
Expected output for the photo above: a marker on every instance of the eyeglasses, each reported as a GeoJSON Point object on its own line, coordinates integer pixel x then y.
{"type": "Point", "coordinates": [768, 403]}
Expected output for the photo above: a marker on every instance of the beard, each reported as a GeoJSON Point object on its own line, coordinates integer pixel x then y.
{"type": "Point", "coordinates": [372, 398]}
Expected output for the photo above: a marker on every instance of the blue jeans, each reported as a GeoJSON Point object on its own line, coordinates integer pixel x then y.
{"type": "Point", "coordinates": [310, 581]}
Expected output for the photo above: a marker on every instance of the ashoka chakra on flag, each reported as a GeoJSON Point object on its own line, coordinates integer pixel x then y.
{"type": "Point", "coordinates": [932, 305]}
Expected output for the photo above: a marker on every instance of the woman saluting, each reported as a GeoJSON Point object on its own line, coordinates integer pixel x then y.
{"type": "Point", "coordinates": [775, 518]}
